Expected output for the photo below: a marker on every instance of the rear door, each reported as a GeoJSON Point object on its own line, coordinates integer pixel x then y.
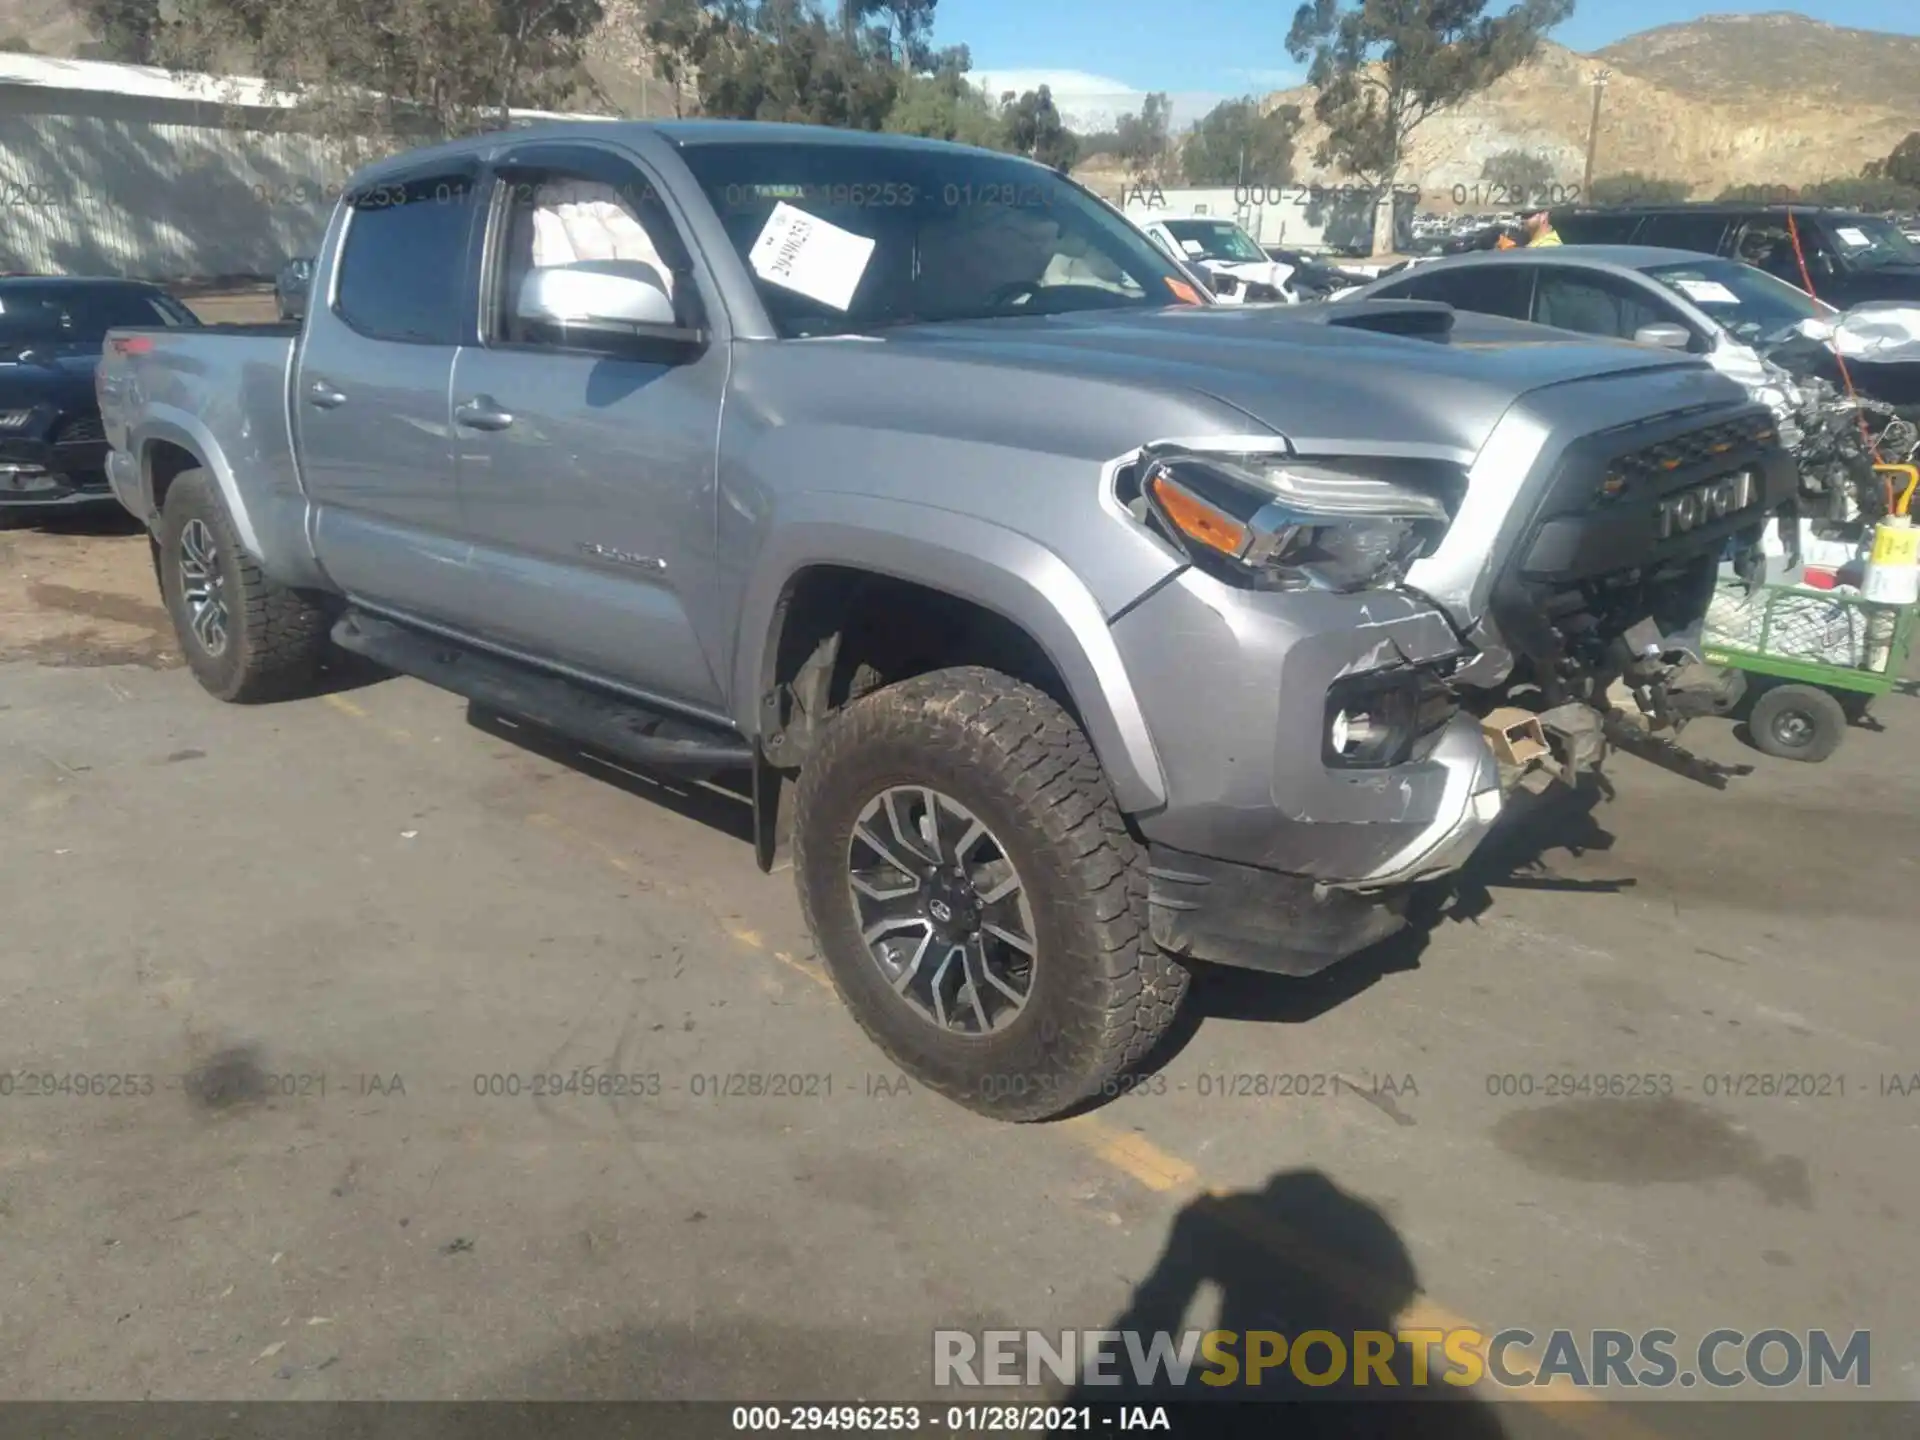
{"type": "Point", "coordinates": [370, 409]}
{"type": "Point", "coordinates": [586, 463]}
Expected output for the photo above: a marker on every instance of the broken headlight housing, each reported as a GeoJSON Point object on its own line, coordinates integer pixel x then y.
{"type": "Point", "coordinates": [1282, 522]}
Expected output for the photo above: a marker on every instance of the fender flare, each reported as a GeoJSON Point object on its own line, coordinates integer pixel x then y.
{"type": "Point", "coordinates": [170, 425]}
{"type": "Point", "coordinates": [973, 560]}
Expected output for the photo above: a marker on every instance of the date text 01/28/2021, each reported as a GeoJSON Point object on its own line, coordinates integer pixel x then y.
{"type": "Point", "coordinates": [951, 1419]}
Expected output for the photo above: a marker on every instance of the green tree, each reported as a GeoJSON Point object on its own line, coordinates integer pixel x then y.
{"type": "Point", "coordinates": [788, 63]}
{"type": "Point", "coordinates": [1631, 187]}
{"type": "Point", "coordinates": [946, 105]}
{"type": "Point", "coordinates": [1382, 68]}
{"type": "Point", "coordinates": [1145, 136]}
{"type": "Point", "coordinates": [376, 73]}
{"type": "Point", "coordinates": [1234, 143]}
{"type": "Point", "coordinates": [1756, 194]}
{"type": "Point", "coordinates": [128, 30]}
{"type": "Point", "coordinates": [1034, 129]}
{"type": "Point", "coordinates": [905, 28]}
{"type": "Point", "coordinates": [1902, 165]}
{"type": "Point", "coordinates": [1521, 174]}
{"type": "Point", "coordinates": [856, 67]}
{"type": "Point", "coordinates": [1863, 192]}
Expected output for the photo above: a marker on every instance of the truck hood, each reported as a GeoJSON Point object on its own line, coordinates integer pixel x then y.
{"type": "Point", "coordinates": [1314, 373]}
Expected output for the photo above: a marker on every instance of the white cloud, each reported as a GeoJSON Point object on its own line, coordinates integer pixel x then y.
{"type": "Point", "coordinates": [1089, 102]}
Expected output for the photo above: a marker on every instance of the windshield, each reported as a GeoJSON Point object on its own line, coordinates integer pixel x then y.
{"type": "Point", "coordinates": [1750, 304]}
{"type": "Point", "coordinates": [81, 314]}
{"type": "Point", "coordinates": [1870, 242]}
{"type": "Point", "coordinates": [841, 238]}
{"type": "Point", "coordinates": [1213, 240]}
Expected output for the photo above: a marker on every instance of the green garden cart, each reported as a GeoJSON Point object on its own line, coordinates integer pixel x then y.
{"type": "Point", "coordinates": [1815, 660]}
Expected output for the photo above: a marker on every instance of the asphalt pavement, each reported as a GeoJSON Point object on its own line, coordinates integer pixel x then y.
{"type": "Point", "coordinates": [281, 989]}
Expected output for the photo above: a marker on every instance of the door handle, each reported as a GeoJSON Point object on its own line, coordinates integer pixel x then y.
{"type": "Point", "coordinates": [325, 396]}
{"type": "Point", "coordinates": [482, 412]}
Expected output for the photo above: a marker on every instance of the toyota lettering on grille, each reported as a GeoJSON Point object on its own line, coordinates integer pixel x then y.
{"type": "Point", "coordinates": [1699, 504]}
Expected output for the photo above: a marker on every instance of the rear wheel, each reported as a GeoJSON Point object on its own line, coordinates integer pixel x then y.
{"type": "Point", "coordinates": [977, 895]}
{"type": "Point", "coordinates": [1797, 722]}
{"type": "Point", "coordinates": [245, 638]}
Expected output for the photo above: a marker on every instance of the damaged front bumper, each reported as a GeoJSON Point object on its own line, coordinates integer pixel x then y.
{"type": "Point", "coordinates": [1279, 849]}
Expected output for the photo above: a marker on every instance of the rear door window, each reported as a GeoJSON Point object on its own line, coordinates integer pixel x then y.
{"type": "Point", "coordinates": [403, 265]}
{"type": "Point", "coordinates": [1499, 289]}
{"type": "Point", "coordinates": [1685, 230]}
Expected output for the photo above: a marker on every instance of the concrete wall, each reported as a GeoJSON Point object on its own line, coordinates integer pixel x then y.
{"type": "Point", "coordinates": [95, 183]}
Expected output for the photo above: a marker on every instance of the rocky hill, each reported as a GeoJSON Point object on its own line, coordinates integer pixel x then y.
{"type": "Point", "coordinates": [1765, 99]}
{"type": "Point", "coordinates": [1738, 57]}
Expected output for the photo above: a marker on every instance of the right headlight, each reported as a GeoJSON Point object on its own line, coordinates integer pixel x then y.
{"type": "Point", "coordinates": [1278, 522]}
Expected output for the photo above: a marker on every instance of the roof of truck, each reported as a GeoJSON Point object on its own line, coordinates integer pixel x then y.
{"type": "Point", "coordinates": [685, 134]}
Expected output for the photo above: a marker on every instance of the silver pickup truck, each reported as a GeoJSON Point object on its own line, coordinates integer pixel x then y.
{"type": "Point", "coordinates": [1101, 629]}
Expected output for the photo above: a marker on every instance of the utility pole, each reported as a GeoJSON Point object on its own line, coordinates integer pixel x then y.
{"type": "Point", "coordinates": [1593, 132]}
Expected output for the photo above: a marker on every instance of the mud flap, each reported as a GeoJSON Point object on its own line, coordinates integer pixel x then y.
{"type": "Point", "coordinates": [766, 810]}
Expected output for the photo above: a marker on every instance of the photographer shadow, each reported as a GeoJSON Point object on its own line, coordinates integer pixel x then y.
{"type": "Point", "coordinates": [1299, 1255]}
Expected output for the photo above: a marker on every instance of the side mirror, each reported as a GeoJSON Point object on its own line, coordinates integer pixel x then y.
{"type": "Point", "coordinates": [605, 299]}
{"type": "Point", "coordinates": [1667, 337]}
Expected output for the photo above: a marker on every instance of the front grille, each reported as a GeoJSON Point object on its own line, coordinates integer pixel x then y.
{"type": "Point", "coordinates": [1656, 464]}
{"type": "Point", "coordinates": [87, 430]}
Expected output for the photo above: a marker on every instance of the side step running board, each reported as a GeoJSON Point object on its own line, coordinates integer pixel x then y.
{"type": "Point", "coordinates": [623, 728]}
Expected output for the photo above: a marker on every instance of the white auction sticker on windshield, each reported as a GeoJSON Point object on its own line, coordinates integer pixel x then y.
{"type": "Point", "coordinates": [1707, 292]}
{"type": "Point", "coordinates": [1853, 236]}
{"type": "Point", "coordinates": [1193, 247]}
{"type": "Point", "coordinates": [810, 256]}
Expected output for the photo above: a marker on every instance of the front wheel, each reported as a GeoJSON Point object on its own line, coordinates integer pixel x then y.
{"type": "Point", "coordinates": [245, 637]}
{"type": "Point", "coordinates": [978, 897]}
{"type": "Point", "coordinates": [1797, 722]}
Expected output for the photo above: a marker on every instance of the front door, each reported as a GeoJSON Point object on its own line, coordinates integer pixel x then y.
{"type": "Point", "coordinates": [586, 466]}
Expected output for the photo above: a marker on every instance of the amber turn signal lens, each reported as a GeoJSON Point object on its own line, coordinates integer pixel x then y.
{"type": "Point", "coordinates": [1198, 520]}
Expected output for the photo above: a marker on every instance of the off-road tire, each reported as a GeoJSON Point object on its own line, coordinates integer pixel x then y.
{"type": "Point", "coordinates": [1797, 722]}
{"type": "Point", "coordinates": [1102, 992]}
{"type": "Point", "coordinates": [276, 638]}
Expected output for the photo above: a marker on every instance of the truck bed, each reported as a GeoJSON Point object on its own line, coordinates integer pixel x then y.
{"type": "Point", "coordinates": [227, 383]}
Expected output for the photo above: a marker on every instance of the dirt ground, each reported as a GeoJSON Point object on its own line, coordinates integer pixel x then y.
{"type": "Point", "coordinates": [81, 591]}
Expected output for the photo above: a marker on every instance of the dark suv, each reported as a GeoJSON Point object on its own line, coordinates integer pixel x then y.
{"type": "Point", "coordinates": [1850, 257]}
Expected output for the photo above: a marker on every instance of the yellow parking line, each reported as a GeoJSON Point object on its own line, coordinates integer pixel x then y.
{"type": "Point", "coordinates": [1132, 1154]}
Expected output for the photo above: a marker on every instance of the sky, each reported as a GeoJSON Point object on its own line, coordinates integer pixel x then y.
{"type": "Point", "coordinates": [1101, 56]}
